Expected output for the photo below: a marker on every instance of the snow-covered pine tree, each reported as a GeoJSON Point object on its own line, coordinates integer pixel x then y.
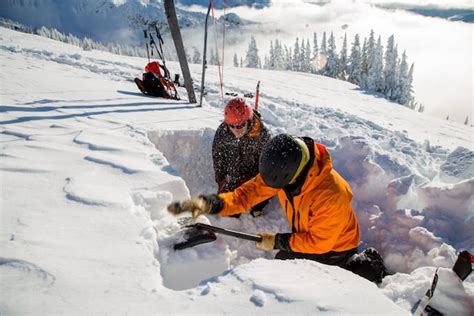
{"type": "Point", "coordinates": [196, 56]}
{"type": "Point", "coordinates": [213, 59]}
{"type": "Point", "coordinates": [411, 102]}
{"type": "Point", "coordinates": [322, 57]}
{"type": "Point", "coordinates": [365, 65]}
{"type": "Point", "coordinates": [288, 58]}
{"type": "Point", "coordinates": [87, 44]}
{"type": "Point", "coordinates": [251, 58]}
{"type": "Point", "coordinates": [355, 62]}
{"type": "Point", "coordinates": [295, 65]}
{"type": "Point", "coordinates": [236, 60]}
{"type": "Point", "coordinates": [375, 80]}
{"type": "Point", "coordinates": [271, 59]}
{"type": "Point", "coordinates": [342, 64]}
{"type": "Point", "coordinates": [307, 58]}
{"type": "Point", "coordinates": [368, 56]}
{"type": "Point", "coordinates": [390, 69]}
{"type": "Point", "coordinates": [402, 90]}
{"type": "Point", "coordinates": [302, 56]}
{"type": "Point", "coordinates": [266, 62]}
{"type": "Point", "coordinates": [323, 47]}
{"type": "Point", "coordinates": [332, 61]}
{"type": "Point", "coordinates": [314, 57]}
{"type": "Point", "coordinates": [279, 56]}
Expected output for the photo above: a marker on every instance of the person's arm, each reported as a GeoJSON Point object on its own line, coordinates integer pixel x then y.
{"type": "Point", "coordinates": [245, 196]}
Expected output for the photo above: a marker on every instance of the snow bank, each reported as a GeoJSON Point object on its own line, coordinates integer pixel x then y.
{"type": "Point", "coordinates": [89, 166]}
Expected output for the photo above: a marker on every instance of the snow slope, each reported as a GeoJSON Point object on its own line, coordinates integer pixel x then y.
{"type": "Point", "coordinates": [88, 166]}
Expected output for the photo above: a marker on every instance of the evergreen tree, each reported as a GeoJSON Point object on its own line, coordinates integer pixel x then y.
{"type": "Point", "coordinates": [390, 70]}
{"type": "Point", "coordinates": [296, 56]}
{"type": "Point", "coordinates": [288, 58]}
{"type": "Point", "coordinates": [375, 80]}
{"type": "Point", "coordinates": [323, 48]}
{"type": "Point", "coordinates": [86, 43]}
{"type": "Point", "coordinates": [355, 62]}
{"type": "Point", "coordinates": [271, 61]}
{"type": "Point", "coordinates": [251, 58]}
{"type": "Point", "coordinates": [307, 58]}
{"type": "Point", "coordinates": [196, 56]}
{"type": "Point", "coordinates": [213, 59]}
{"type": "Point", "coordinates": [364, 65]}
{"type": "Point", "coordinates": [342, 64]}
{"type": "Point", "coordinates": [332, 61]}
{"type": "Point", "coordinates": [315, 52]}
{"type": "Point", "coordinates": [402, 93]}
{"type": "Point", "coordinates": [236, 60]}
{"type": "Point", "coordinates": [409, 87]}
{"type": "Point", "coordinates": [369, 59]}
{"type": "Point", "coordinates": [266, 62]}
{"type": "Point", "coordinates": [279, 56]}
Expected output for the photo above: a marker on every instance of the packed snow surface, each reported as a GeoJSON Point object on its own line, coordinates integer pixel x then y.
{"type": "Point", "coordinates": [88, 166]}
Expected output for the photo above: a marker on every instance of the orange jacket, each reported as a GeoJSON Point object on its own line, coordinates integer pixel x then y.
{"type": "Point", "coordinates": [321, 216]}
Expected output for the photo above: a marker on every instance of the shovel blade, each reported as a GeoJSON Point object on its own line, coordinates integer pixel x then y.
{"type": "Point", "coordinates": [195, 236]}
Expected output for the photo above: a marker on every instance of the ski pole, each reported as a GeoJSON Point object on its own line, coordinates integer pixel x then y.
{"type": "Point", "coordinates": [146, 43]}
{"type": "Point", "coordinates": [257, 94]}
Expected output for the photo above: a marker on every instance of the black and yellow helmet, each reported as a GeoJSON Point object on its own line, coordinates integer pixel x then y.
{"type": "Point", "coordinates": [282, 160]}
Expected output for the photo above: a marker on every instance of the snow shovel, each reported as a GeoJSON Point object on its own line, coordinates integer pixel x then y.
{"type": "Point", "coordinates": [200, 233]}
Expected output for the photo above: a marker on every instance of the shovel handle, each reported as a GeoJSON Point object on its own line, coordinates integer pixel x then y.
{"type": "Point", "coordinates": [228, 232]}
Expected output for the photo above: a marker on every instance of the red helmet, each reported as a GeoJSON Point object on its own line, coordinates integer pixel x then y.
{"type": "Point", "coordinates": [237, 111]}
{"type": "Point", "coordinates": [153, 67]}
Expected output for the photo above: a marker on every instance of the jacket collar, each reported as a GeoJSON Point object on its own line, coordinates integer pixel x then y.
{"type": "Point", "coordinates": [317, 169]}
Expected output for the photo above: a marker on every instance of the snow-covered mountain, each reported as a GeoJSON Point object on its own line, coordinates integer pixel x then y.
{"type": "Point", "coordinates": [464, 14]}
{"type": "Point", "coordinates": [227, 3]}
{"type": "Point", "coordinates": [88, 166]}
{"type": "Point", "coordinates": [105, 20]}
{"type": "Point", "coordinates": [108, 20]}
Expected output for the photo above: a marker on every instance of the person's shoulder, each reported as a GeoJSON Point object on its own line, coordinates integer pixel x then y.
{"type": "Point", "coordinates": [222, 131]}
{"type": "Point", "coordinates": [221, 128]}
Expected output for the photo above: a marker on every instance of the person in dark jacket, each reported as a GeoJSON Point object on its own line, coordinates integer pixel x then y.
{"type": "Point", "coordinates": [236, 148]}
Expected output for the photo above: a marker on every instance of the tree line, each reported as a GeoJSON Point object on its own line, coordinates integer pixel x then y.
{"type": "Point", "coordinates": [365, 63]}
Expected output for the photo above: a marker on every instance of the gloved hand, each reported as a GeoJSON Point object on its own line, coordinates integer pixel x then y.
{"type": "Point", "coordinates": [196, 206]}
{"type": "Point", "coordinates": [268, 241]}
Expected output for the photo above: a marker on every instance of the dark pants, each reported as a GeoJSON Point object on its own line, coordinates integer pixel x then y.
{"type": "Point", "coordinates": [368, 264]}
{"type": "Point", "coordinates": [331, 258]}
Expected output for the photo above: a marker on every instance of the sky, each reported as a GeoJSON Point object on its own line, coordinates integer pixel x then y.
{"type": "Point", "coordinates": [89, 164]}
{"type": "Point", "coordinates": [441, 50]}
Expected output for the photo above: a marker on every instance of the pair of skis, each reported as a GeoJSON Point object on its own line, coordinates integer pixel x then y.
{"type": "Point", "coordinates": [462, 267]}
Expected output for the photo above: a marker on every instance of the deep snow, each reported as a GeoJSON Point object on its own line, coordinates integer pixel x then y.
{"type": "Point", "coordinates": [88, 165]}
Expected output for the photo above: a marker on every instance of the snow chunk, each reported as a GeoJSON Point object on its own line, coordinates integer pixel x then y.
{"type": "Point", "coordinates": [458, 166]}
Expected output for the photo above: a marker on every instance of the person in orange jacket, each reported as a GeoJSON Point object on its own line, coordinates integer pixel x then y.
{"type": "Point", "coordinates": [315, 198]}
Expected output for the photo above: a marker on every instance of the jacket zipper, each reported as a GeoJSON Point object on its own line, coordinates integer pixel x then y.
{"type": "Point", "coordinates": [293, 216]}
